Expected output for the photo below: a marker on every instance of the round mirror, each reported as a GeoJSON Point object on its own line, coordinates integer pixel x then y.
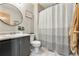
{"type": "Point", "coordinates": [10, 14]}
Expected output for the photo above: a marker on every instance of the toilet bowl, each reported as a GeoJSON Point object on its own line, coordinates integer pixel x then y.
{"type": "Point", "coordinates": [35, 43]}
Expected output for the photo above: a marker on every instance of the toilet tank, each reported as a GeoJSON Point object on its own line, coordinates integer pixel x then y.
{"type": "Point", "coordinates": [32, 37]}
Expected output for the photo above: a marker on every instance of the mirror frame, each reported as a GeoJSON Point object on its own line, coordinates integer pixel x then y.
{"type": "Point", "coordinates": [19, 12]}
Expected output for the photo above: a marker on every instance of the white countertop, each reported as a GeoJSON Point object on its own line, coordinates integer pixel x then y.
{"type": "Point", "coordinates": [11, 36]}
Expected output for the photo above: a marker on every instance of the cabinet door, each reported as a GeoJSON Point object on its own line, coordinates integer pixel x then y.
{"type": "Point", "coordinates": [25, 46]}
{"type": "Point", "coordinates": [15, 47]}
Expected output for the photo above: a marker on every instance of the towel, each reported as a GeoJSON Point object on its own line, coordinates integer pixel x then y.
{"type": "Point", "coordinates": [74, 32]}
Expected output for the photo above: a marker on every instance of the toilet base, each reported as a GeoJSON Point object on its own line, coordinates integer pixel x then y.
{"type": "Point", "coordinates": [36, 50]}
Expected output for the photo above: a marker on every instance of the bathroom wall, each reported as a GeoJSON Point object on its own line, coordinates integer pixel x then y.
{"type": "Point", "coordinates": [40, 8]}
{"type": "Point", "coordinates": [27, 22]}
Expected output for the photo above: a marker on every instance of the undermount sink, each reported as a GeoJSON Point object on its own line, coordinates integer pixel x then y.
{"type": "Point", "coordinates": [12, 34]}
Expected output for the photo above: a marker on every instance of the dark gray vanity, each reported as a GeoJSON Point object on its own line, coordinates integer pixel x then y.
{"type": "Point", "coordinates": [19, 46]}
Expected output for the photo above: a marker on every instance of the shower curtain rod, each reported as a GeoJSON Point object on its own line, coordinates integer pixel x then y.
{"type": "Point", "coordinates": [54, 4]}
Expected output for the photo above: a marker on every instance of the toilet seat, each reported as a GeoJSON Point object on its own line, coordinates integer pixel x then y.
{"type": "Point", "coordinates": [36, 42]}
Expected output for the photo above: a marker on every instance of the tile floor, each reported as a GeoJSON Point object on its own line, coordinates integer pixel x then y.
{"type": "Point", "coordinates": [44, 52]}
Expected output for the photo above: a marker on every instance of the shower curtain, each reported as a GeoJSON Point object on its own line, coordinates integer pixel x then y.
{"type": "Point", "coordinates": [54, 24]}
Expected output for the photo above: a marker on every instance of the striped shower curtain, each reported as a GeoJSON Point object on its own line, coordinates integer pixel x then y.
{"type": "Point", "coordinates": [54, 24]}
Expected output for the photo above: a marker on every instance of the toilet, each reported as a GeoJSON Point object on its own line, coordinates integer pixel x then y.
{"type": "Point", "coordinates": [35, 43]}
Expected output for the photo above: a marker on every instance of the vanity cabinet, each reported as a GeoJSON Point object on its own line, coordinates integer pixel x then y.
{"type": "Point", "coordinates": [21, 46]}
